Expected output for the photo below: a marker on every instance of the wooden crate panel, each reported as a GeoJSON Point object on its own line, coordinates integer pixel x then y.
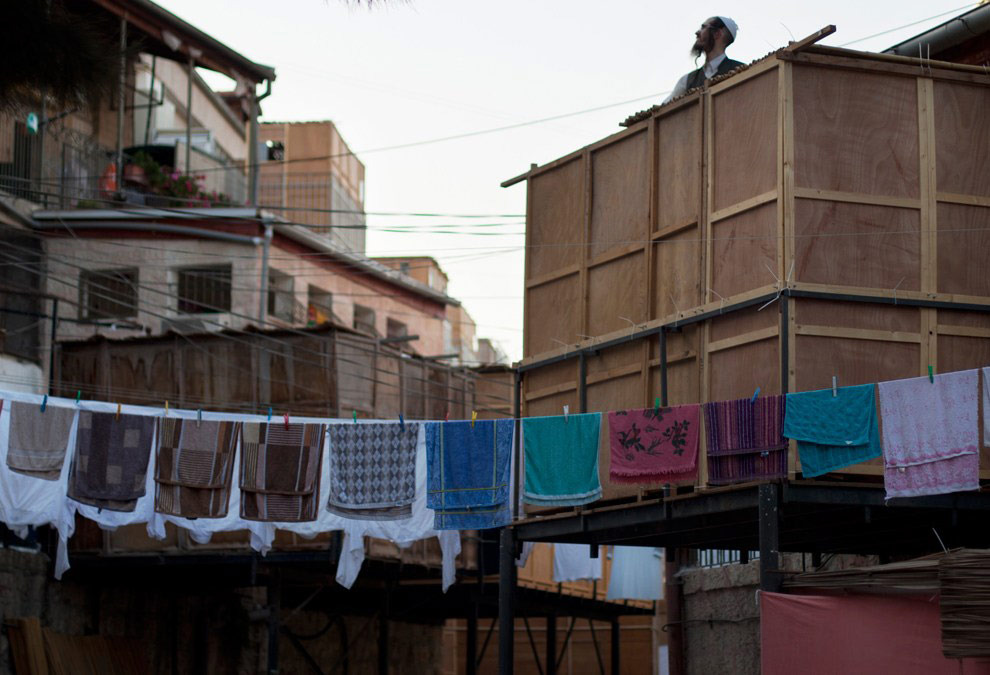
{"type": "Point", "coordinates": [556, 219]}
{"type": "Point", "coordinates": [677, 270]}
{"type": "Point", "coordinates": [744, 321]}
{"type": "Point", "coordinates": [679, 167]}
{"type": "Point", "coordinates": [744, 155]}
{"type": "Point", "coordinates": [864, 315]}
{"type": "Point", "coordinates": [553, 312]}
{"type": "Point", "coordinates": [621, 393]}
{"type": "Point", "coordinates": [963, 248]}
{"type": "Point", "coordinates": [743, 246]}
{"type": "Point", "coordinates": [737, 372]}
{"type": "Point", "coordinates": [853, 361]}
{"type": "Point", "coordinates": [552, 404]}
{"type": "Point", "coordinates": [960, 128]}
{"type": "Point", "coordinates": [856, 132]}
{"type": "Point", "coordinates": [620, 202]}
{"type": "Point", "coordinates": [956, 352]}
{"type": "Point", "coordinates": [857, 245]}
{"type": "Point", "coordinates": [616, 289]}
{"type": "Point", "coordinates": [555, 374]}
{"type": "Point", "coordinates": [621, 357]}
{"type": "Point", "coordinates": [683, 382]}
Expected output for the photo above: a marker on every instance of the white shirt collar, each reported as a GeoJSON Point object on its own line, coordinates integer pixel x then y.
{"type": "Point", "coordinates": [712, 66]}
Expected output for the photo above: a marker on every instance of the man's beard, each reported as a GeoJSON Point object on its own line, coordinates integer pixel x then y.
{"type": "Point", "coordinates": [698, 49]}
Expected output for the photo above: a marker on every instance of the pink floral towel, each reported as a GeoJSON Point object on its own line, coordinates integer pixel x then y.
{"type": "Point", "coordinates": [931, 434]}
{"type": "Point", "coordinates": [654, 445]}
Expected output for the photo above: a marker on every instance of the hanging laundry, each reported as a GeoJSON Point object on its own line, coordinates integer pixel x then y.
{"type": "Point", "coordinates": [745, 440]}
{"type": "Point", "coordinates": [986, 407]}
{"type": "Point", "coordinates": [833, 429]}
{"type": "Point", "coordinates": [373, 470]}
{"type": "Point", "coordinates": [280, 471]}
{"type": "Point", "coordinates": [110, 465]}
{"type": "Point", "coordinates": [636, 574]}
{"type": "Point", "coordinates": [193, 467]}
{"type": "Point", "coordinates": [38, 440]}
{"type": "Point", "coordinates": [654, 445]}
{"type": "Point", "coordinates": [573, 562]}
{"type": "Point", "coordinates": [468, 473]}
{"type": "Point", "coordinates": [931, 434]}
{"type": "Point", "coordinates": [561, 459]}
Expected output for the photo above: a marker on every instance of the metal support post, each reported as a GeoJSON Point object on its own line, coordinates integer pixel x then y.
{"type": "Point", "coordinates": [674, 619]}
{"type": "Point", "coordinates": [616, 637]}
{"type": "Point", "coordinates": [551, 646]}
{"type": "Point", "coordinates": [190, 73]}
{"type": "Point", "coordinates": [121, 102]}
{"type": "Point", "coordinates": [770, 537]}
{"type": "Point", "coordinates": [471, 652]}
{"type": "Point", "coordinates": [383, 632]}
{"type": "Point", "coordinates": [506, 600]}
{"type": "Point", "coordinates": [274, 611]}
{"type": "Point", "coordinates": [663, 366]}
{"type": "Point", "coordinates": [582, 382]}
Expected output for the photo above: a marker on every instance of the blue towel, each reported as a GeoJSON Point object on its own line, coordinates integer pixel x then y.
{"type": "Point", "coordinates": [833, 431]}
{"type": "Point", "coordinates": [562, 459]}
{"type": "Point", "coordinates": [467, 473]}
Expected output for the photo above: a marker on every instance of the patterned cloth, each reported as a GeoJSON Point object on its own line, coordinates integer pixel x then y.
{"type": "Point", "coordinates": [562, 459]}
{"type": "Point", "coordinates": [38, 440]}
{"type": "Point", "coordinates": [654, 445]}
{"type": "Point", "coordinates": [745, 440]}
{"type": "Point", "coordinates": [931, 434]}
{"type": "Point", "coordinates": [373, 470]}
{"type": "Point", "coordinates": [194, 466]}
{"type": "Point", "coordinates": [110, 465]}
{"type": "Point", "coordinates": [833, 430]}
{"type": "Point", "coordinates": [280, 471]}
{"type": "Point", "coordinates": [468, 472]}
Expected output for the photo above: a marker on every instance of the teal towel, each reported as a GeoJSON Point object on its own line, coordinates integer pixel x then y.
{"type": "Point", "coordinates": [833, 431]}
{"type": "Point", "coordinates": [562, 459]}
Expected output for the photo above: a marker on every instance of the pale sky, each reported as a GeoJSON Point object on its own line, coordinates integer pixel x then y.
{"type": "Point", "coordinates": [427, 69]}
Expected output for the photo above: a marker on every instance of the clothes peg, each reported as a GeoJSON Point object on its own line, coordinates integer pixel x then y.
{"type": "Point", "coordinates": [78, 395]}
{"type": "Point", "coordinates": [474, 416]}
{"type": "Point", "coordinates": [118, 410]}
{"type": "Point", "coordinates": [286, 421]}
{"type": "Point", "coordinates": [402, 422]}
{"type": "Point", "coordinates": [656, 404]}
{"type": "Point", "coordinates": [755, 394]}
{"type": "Point", "coordinates": [446, 415]}
{"type": "Point", "coordinates": [931, 375]}
{"type": "Point", "coordinates": [269, 413]}
{"type": "Point", "coordinates": [835, 386]}
{"type": "Point", "coordinates": [199, 417]}
{"type": "Point", "coordinates": [567, 412]}
{"type": "Point", "coordinates": [44, 403]}
{"type": "Point", "coordinates": [355, 417]}
{"type": "Point", "coordinates": [166, 407]}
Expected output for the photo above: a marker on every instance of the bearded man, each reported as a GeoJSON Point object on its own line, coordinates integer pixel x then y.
{"type": "Point", "coordinates": [711, 39]}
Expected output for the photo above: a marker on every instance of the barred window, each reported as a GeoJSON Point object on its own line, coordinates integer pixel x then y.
{"type": "Point", "coordinates": [108, 294]}
{"type": "Point", "coordinates": [204, 289]}
{"type": "Point", "coordinates": [364, 319]}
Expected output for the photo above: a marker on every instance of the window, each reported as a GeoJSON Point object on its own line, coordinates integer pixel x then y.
{"type": "Point", "coordinates": [319, 308]}
{"type": "Point", "coordinates": [396, 329]}
{"type": "Point", "coordinates": [404, 267]}
{"type": "Point", "coordinates": [108, 294]}
{"type": "Point", "coordinates": [204, 289]}
{"type": "Point", "coordinates": [280, 295]}
{"type": "Point", "coordinates": [275, 150]}
{"type": "Point", "coordinates": [364, 319]}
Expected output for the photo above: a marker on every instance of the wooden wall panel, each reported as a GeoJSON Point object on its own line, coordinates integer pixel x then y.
{"type": "Point", "coordinates": [620, 199]}
{"type": "Point", "coordinates": [855, 132]}
{"type": "Point", "coordinates": [556, 223]}
{"type": "Point", "coordinates": [963, 248]}
{"type": "Point", "coordinates": [553, 375]}
{"type": "Point", "coordinates": [744, 321]}
{"type": "Point", "coordinates": [553, 405]}
{"type": "Point", "coordinates": [962, 138]}
{"type": "Point", "coordinates": [857, 245]}
{"type": "Point", "coordinates": [616, 289]}
{"type": "Point", "coordinates": [679, 167]}
{"type": "Point", "coordinates": [857, 315]}
{"type": "Point", "coordinates": [615, 358]}
{"type": "Point", "coordinates": [745, 141]}
{"type": "Point", "coordinates": [737, 372]}
{"type": "Point", "coordinates": [553, 312]}
{"type": "Point", "coordinates": [743, 246]}
{"type": "Point", "coordinates": [678, 277]}
{"type": "Point", "coordinates": [957, 352]}
{"type": "Point", "coordinates": [621, 393]}
{"type": "Point", "coordinates": [852, 361]}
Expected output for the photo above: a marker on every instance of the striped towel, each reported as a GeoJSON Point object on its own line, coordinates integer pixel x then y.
{"type": "Point", "coordinates": [745, 440]}
{"type": "Point", "coordinates": [280, 471]}
{"type": "Point", "coordinates": [110, 465]}
{"type": "Point", "coordinates": [373, 470]}
{"type": "Point", "coordinates": [193, 467]}
{"type": "Point", "coordinates": [468, 473]}
{"type": "Point", "coordinates": [38, 440]}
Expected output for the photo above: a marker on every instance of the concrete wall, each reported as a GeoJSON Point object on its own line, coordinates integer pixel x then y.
{"type": "Point", "coordinates": [199, 631]}
{"type": "Point", "coordinates": [20, 375]}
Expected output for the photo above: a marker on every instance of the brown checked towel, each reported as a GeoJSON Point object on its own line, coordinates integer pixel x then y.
{"type": "Point", "coordinates": [193, 468]}
{"type": "Point", "coordinates": [38, 439]}
{"type": "Point", "coordinates": [280, 471]}
{"type": "Point", "coordinates": [110, 466]}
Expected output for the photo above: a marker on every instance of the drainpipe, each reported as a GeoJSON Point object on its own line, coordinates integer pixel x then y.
{"type": "Point", "coordinates": [263, 300]}
{"type": "Point", "coordinates": [121, 102]}
{"type": "Point", "coordinates": [189, 82]}
{"type": "Point", "coordinates": [253, 159]}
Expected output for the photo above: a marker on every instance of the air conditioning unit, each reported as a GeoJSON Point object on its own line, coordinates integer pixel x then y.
{"type": "Point", "coordinates": [197, 323]}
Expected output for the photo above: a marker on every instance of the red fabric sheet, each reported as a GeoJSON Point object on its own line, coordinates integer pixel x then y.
{"type": "Point", "coordinates": [812, 634]}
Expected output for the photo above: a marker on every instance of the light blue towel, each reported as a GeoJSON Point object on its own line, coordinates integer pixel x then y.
{"type": "Point", "coordinates": [467, 473]}
{"type": "Point", "coordinates": [562, 459]}
{"type": "Point", "coordinates": [637, 573]}
{"type": "Point", "coordinates": [833, 431]}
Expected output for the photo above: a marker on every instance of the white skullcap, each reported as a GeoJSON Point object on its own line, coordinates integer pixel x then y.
{"type": "Point", "coordinates": [731, 25]}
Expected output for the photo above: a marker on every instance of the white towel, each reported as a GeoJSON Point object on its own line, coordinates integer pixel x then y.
{"type": "Point", "coordinates": [637, 573]}
{"type": "Point", "coordinates": [573, 562]}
